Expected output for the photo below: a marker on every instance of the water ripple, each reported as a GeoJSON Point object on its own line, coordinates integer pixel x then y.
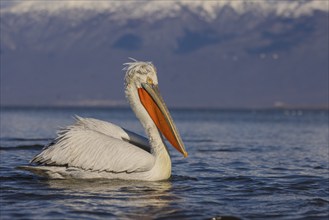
{"type": "Point", "coordinates": [240, 166]}
{"type": "Point", "coordinates": [23, 147]}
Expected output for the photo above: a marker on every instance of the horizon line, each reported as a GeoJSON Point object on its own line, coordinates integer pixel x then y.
{"type": "Point", "coordinates": [126, 106]}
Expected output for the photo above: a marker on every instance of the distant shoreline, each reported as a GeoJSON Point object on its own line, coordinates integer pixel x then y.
{"type": "Point", "coordinates": [270, 108]}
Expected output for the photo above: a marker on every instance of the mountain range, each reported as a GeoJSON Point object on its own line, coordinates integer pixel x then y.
{"type": "Point", "coordinates": [208, 53]}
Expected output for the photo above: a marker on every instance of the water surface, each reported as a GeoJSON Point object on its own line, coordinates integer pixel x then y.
{"type": "Point", "coordinates": [246, 164]}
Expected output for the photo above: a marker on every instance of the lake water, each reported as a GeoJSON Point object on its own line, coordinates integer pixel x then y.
{"type": "Point", "coordinates": [264, 164]}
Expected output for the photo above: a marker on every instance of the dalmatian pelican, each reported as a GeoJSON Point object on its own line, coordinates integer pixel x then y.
{"type": "Point", "coordinates": [92, 148]}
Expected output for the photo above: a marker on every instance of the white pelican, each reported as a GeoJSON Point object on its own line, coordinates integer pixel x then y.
{"type": "Point", "coordinates": [91, 148]}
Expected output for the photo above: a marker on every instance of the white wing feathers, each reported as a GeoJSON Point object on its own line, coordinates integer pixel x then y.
{"type": "Point", "coordinates": [113, 130]}
{"type": "Point", "coordinates": [95, 145]}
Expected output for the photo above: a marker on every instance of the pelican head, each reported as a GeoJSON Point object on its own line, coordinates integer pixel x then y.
{"type": "Point", "coordinates": [141, 84]}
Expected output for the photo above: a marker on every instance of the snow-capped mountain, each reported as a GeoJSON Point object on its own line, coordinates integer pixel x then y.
{"type": "Point", "coordinates": [171, 8]}
{"type": "Point", "coordinates": [243, 53]}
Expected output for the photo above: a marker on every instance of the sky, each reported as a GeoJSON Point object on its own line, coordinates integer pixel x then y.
{"type": "Point", "coordinates": [218, 54]}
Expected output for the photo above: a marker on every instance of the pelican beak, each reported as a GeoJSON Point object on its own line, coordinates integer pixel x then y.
{"type": "Point", "coordinates": [153, 103]}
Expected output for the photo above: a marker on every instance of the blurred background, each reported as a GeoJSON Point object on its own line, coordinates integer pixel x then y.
{"type": "Point", "coordinates": [209, 54]}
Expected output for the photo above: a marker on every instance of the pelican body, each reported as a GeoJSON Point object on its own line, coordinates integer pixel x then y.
{"type": "Point", "coordinates": [92, 148]}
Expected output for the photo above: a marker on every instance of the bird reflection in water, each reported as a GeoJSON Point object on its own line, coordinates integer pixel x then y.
{"type": "Point", "coordinates": [117, 198]}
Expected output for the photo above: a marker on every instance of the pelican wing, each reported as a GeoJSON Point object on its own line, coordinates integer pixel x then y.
{"type": "Point", "coordinates": [94, 145]}
{"type": "Point", "coordinates": [115, 131]}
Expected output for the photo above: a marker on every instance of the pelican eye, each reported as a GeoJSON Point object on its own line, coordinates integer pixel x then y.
{"type": "Point", "coordinates": [149, 80]}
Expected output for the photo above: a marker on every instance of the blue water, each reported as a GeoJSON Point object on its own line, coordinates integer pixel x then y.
{"type": "Point", "coordinates": [269, 164]}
